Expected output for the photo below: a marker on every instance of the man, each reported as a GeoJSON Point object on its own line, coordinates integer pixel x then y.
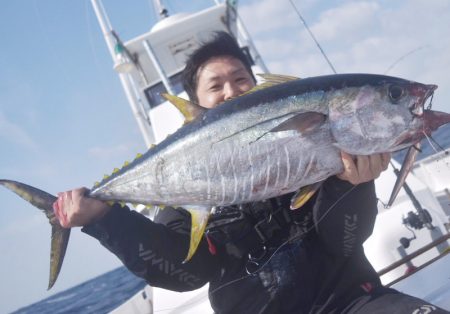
{"type": "Point", "coordinates": [259, 257]}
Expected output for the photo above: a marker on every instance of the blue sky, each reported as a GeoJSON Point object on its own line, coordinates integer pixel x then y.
{"type": "Point", "coordinates": [64, 119]}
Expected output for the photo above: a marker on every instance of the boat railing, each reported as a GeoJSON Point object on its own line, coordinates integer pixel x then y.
{"type": "Point", "coordinates": [416, 253]}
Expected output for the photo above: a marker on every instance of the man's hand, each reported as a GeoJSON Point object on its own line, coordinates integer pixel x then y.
{"type": "Point", "coordinates": [73, 208]}
{"type": "Point", "coordinates": [359, 169]}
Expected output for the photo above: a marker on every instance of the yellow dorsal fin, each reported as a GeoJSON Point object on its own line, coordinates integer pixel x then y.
{"type": "Point", "coordinates": [256, 88]}
{"type": "Point", "coordinates": [270, 80]}
{"type": "Point", "coordinates": [275, 79]}
{"type": "Point", "coordinates": [189, 110]}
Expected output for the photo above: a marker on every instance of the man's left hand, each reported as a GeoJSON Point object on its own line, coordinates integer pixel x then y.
{"type": "Point", "coordinates": [359, 169]}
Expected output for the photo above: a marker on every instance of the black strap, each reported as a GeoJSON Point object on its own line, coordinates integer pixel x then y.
{"type": "Point", "coordinates": [252, 229]}
{"type": "Point", "coordinates": [276, 222]}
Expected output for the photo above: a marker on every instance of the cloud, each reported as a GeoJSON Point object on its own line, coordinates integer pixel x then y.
{"type": "Point", "coordinates": [351, 18]}
{"type": "Point", "coordinates": [262, 17]}
{"type": "Point", "coordinates": [22, 226]}
{"type": "Point", "coordinates": [14, 133]}
{"type": "Point", "coordinates": [357, 36]}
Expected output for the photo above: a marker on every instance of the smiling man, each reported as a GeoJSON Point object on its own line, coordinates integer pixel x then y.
{"type": "Point", "coordinates": [258, 257]}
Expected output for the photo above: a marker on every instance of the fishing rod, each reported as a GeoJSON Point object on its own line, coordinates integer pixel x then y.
{"type": "Point", "coordinates": [404, 57]}
{"type": "Point", "coordinates": [328, 60]}
{"type": "Point", "coordinates": [313, 37]}
{"type": "Point", "coordinates": [413, 220]}
{"type": "Point", "coordinates": [416, 220]}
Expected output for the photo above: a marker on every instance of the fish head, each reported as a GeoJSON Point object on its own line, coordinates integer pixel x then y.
{"type": "Point", "coordinates": [384, 114]}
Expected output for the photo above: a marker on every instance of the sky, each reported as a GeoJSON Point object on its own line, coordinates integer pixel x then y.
{"type": "Point", "coordinates": [65, 121]}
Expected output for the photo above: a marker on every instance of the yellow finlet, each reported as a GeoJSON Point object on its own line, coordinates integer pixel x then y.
{"type": "Point", "coordinates": [189, 110]}
{"type": "Point", "coordinates": [199, 219]}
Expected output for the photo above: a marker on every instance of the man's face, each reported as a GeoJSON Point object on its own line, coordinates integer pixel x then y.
{"type": "Point", "coordinates": [221, 78]}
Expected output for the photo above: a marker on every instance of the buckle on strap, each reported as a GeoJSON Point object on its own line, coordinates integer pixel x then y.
{"type": "Point", "coordinates": [267, 227]}
{"type": "Point", "coordinates": [255, 261]}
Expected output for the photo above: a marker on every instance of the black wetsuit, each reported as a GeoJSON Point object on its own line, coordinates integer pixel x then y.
{"type": "Point", "coordinates": [263, 257]}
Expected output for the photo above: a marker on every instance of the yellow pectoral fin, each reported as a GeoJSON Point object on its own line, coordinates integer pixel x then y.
{"type": "Point", "coordinates": [304, 194]}
{"type": "Point", "coordinates": [199, 219]}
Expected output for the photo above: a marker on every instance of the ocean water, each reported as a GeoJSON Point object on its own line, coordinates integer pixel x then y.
{"type": "Point", "coordinates": [98, 295]}
{"type": "Point", "coordinates": [106, 292]}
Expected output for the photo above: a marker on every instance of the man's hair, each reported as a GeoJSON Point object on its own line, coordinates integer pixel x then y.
{"type": "Point", "coordinates": [222, 44]}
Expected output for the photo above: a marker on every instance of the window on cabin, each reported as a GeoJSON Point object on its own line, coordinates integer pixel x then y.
{"type": "Point", "coordinates": [153, 93]}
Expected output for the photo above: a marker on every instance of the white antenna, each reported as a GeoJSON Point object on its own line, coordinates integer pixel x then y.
{"type": "Point", "coordinates": [159, 7]}
{"type": "Point", "coordinates": [136, 107]}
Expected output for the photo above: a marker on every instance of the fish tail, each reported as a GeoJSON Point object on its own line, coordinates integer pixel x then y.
{"type": "Point", "coordinates": [60, 236]}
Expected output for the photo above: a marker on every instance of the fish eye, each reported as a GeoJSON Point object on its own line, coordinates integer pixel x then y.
{"type": "Point", "coordinates": [395, 93]}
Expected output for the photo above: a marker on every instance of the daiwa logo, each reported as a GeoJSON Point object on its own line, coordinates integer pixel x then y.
{"type": "Point", "coordinates": [425, 309]}
{"type": "Point", "coordinates": [166, 266]}
{"type": "Point", "coordinates": [350, 226]}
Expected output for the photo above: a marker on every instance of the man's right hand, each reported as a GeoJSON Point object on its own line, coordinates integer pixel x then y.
{"type": "Point", "coordinates": [359, 168]}
{"type": "Point", "coordinates": [74, 209]}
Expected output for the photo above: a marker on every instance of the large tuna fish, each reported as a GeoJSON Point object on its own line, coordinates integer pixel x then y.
{"type": "Point", "coordinates": [265, 143]}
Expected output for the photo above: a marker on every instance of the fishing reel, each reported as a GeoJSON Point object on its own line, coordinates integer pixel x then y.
{"type": "Point", "coordinates": [416, 220]}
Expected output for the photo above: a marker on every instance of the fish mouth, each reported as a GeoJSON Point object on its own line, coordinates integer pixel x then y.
{"type": "Point", "coordinates": [422, 92]}
{"type": "Point", "coordinates": [433, 120]}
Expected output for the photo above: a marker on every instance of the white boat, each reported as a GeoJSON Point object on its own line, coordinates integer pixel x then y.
{"type": "Point", "coordinates": [152, 62]}
{"type": "Point", "coordinates": [384, 247]}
